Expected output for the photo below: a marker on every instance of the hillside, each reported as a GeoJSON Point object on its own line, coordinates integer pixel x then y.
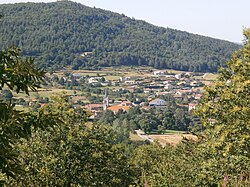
{"type": "Point", "coordinates": [58, 33]}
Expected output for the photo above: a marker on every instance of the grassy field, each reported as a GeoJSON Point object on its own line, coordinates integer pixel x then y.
{"type": "Point", "coordinates": [135, 137]}
{"type": "Point", "coordinates": [169, 132]}
{"type": "Point", "coordinates": [45, 93]}
{"type": "Point", "coordinates": [172, 139]}
{"type": "Point", "coordinates": [112, 77]}
{"type": "Point", "coordinates": [208, 79]}
{"type": "Point", "coordinates": [113, 73]}
{"type": "Point", "coordinates": [211, 76]}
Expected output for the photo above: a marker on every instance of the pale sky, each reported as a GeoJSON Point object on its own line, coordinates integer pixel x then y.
{"type": "Point", "coordinates": [223, 19]}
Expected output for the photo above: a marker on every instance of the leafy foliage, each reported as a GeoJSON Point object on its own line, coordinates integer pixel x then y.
{"type": "Point", "coordinates": [18, 75]}
{"type": "Point", "coordinates": [67, 153]}
{"type": "Point", "coordinates": [71, 154]}
{"type": "Point", "coordinates": [225, 112]}
{"type": "Point", "coordinates": [169, 166]}
{"type": "Point", "coordinates": [58, 33]}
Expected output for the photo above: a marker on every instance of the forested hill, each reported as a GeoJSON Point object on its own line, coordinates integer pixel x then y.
{"type": "Point", "coordinates": [58, 33]}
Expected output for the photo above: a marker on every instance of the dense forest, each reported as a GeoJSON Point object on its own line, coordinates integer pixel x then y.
{"type": "Point", "coordinates": [57, 34]}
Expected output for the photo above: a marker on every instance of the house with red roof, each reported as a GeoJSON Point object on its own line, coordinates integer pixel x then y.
{"type": "Point", "coordinates": [115, 109]}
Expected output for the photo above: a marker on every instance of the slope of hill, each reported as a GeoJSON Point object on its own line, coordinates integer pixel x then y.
{"type": "Point", "coordinates": [58, 33]}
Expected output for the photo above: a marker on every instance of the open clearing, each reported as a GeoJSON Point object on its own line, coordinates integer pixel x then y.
{"type": "Point", "coordinates": [46, 93]}
{"type": "Point", "coordinates": [172, 139]}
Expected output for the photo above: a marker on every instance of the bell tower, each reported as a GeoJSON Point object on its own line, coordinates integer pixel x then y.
{"type": "Point", "coordinates": [105, 100]}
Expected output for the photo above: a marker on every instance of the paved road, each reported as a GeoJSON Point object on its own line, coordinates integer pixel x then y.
{"type": "Point", "coordinates": [144, 136]}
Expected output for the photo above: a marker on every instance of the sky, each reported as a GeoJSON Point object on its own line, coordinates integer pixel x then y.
{"type": "Point", "coordinates": [222, 19]}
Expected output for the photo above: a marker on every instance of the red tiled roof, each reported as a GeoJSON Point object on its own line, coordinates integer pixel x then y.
{"type": "Point", "coordinates": [192, 104]}
{"type": "Point", "coordinates": [93, 105]}
{"type": "Point", "coordinates": [116, 108]}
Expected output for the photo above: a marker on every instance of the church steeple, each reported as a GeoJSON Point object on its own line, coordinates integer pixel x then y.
{"type": "Point", "coordinates": [105, 100]}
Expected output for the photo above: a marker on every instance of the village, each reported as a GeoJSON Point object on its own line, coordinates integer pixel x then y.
{"type": "Point", "coordinates": [110, 92]}
{"type": "Point", "coordinates": [184, 87]}
{"type": "Point", "coordinates": [120, 89]}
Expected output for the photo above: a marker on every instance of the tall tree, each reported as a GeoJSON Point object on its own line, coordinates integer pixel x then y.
{"type": "Point", "coordinates": [18, 75]}
{"type": "Point", "coordinates": [225, 113]}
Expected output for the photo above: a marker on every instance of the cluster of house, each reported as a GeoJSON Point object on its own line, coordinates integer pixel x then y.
{"type": "Point", "coordinates": [182, 86]}
{"type": "Point", "coordinates": [124, 106]}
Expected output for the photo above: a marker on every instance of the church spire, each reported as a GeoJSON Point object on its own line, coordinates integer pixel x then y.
{"type": "Point", "coordinates": [105, 99]}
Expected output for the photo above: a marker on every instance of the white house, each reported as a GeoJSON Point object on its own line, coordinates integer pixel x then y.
{"type": "Point", "coordinates": [178, 76]}
{"type": "Point", "coordinates": [93, 80]}
{"type": "Point", "coordinates": [86, 54]}
{"type": "Point", "coordinates": [159, 72]}
{"type": "Point", "coordinates": [130, 82]}
{"type": "Point", "coordinates": [157, 102]}
{"type": "Point", "coordinates": [170, 76]}
{"type": "Point", "coordinates": [192, 106]}
{"type": "Point", "coordinates": [169, 87]}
